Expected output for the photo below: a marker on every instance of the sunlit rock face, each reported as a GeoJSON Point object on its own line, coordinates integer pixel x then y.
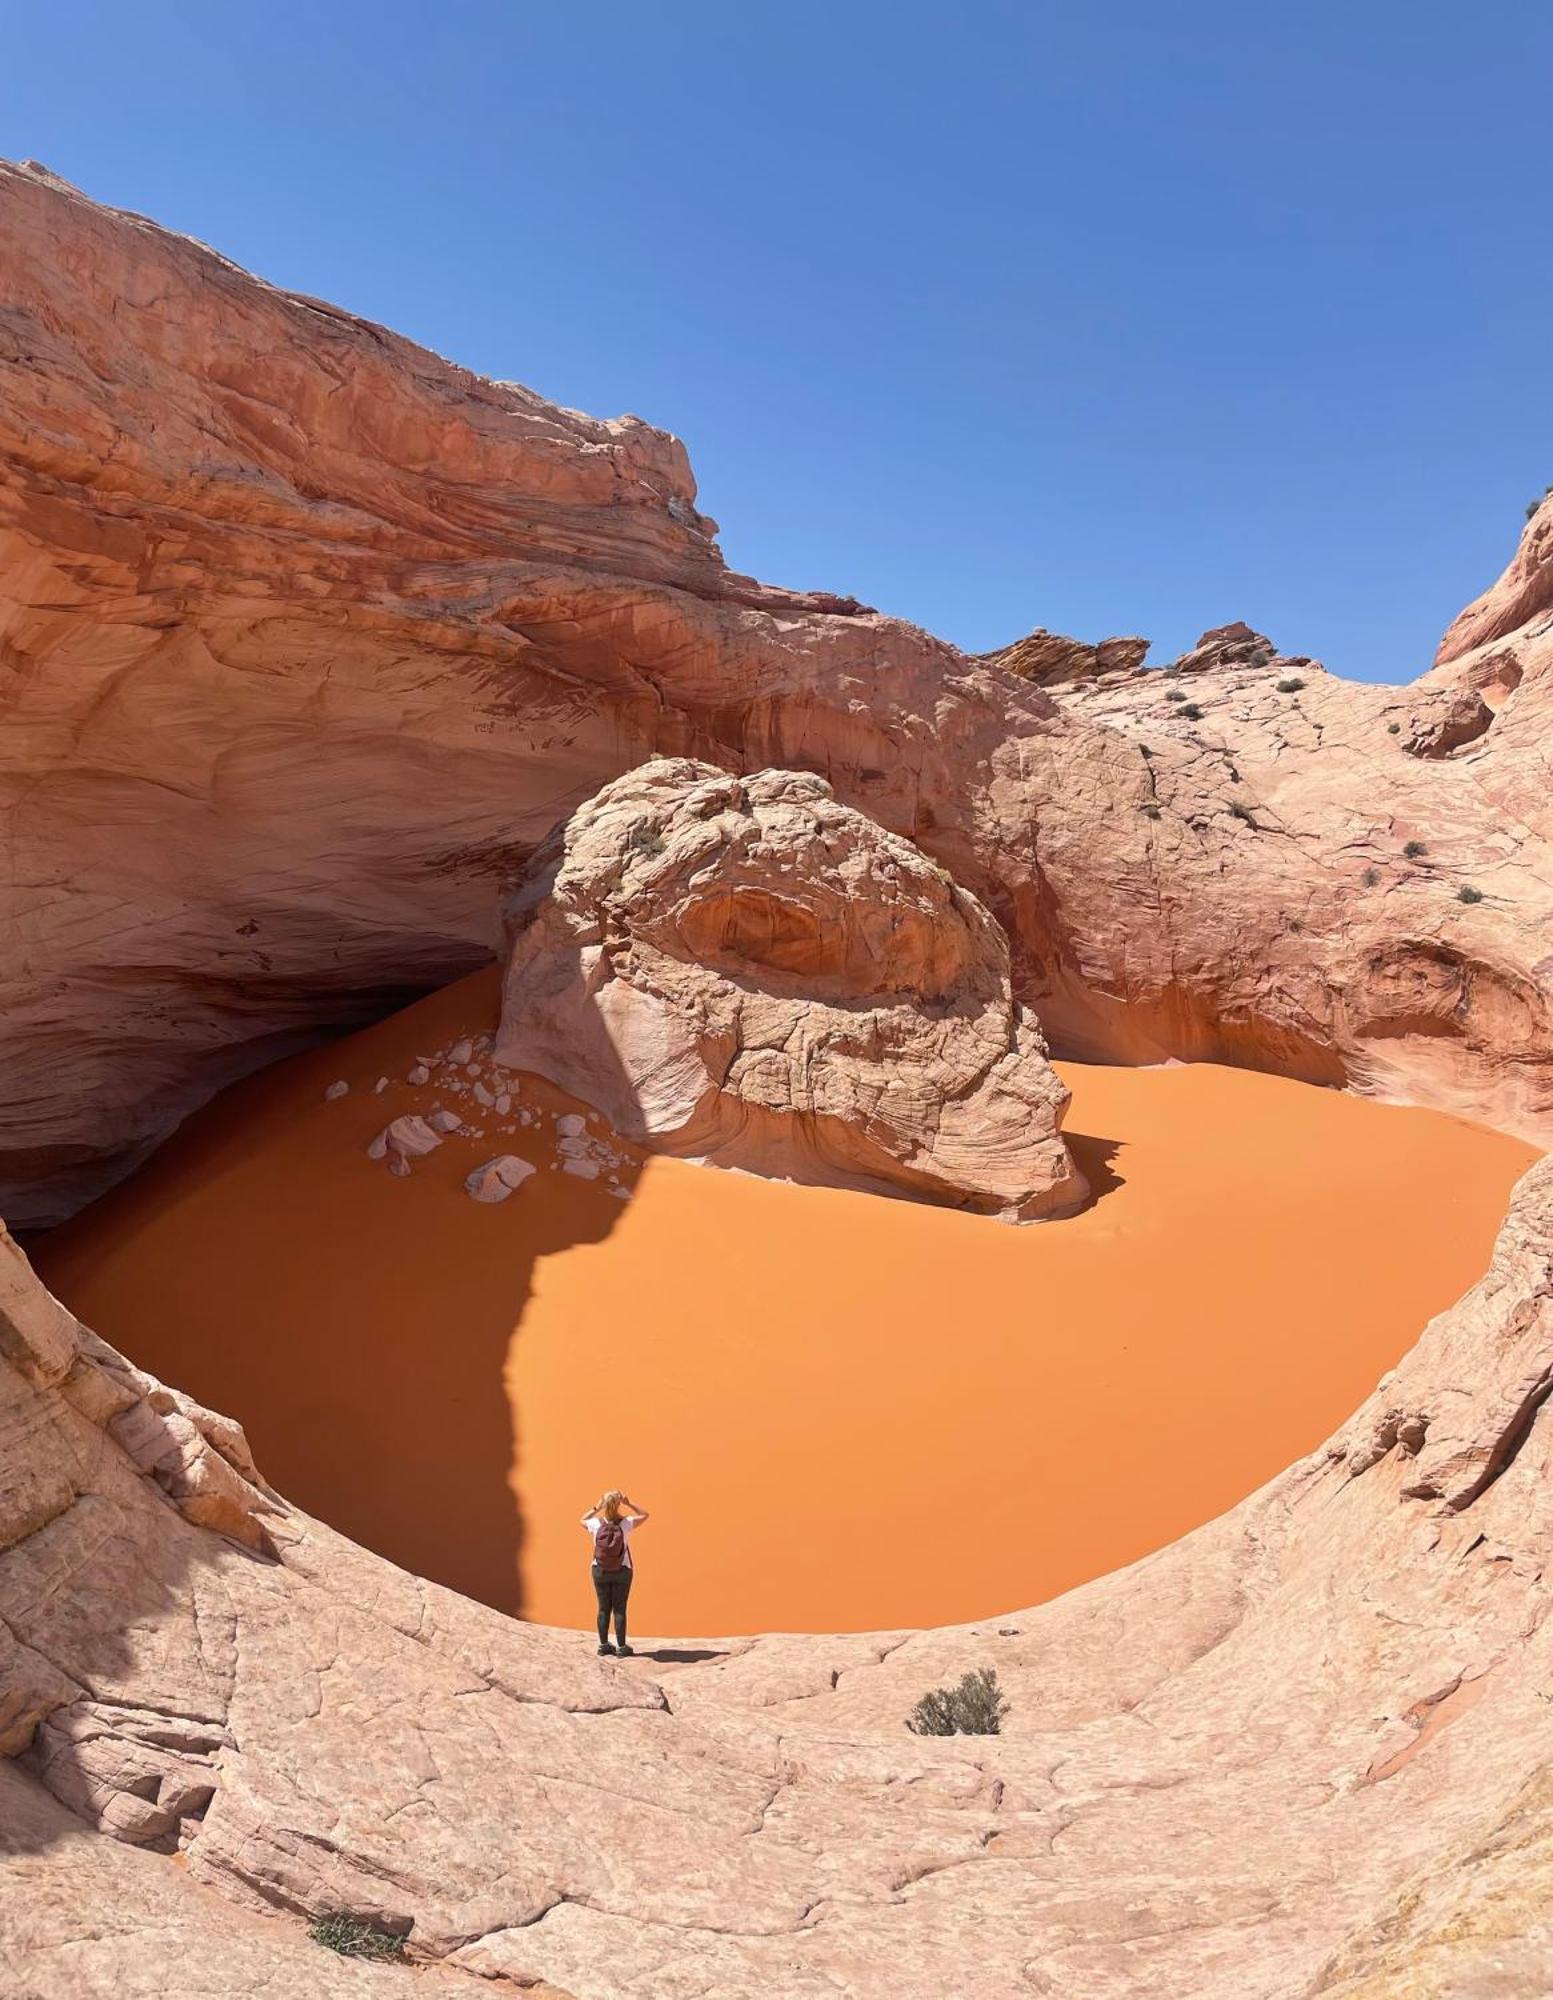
{"type": "Point", "coordinates": [745, 971]}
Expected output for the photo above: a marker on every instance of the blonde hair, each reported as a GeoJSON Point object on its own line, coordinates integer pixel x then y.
{"type": "Point", "coordinates": [608, 1507]}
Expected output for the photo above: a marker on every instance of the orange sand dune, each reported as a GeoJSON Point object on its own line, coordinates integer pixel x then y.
{"type": "Point", "coordinates": [843, 1411]}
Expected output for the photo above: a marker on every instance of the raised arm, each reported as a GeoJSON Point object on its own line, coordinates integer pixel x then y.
{"type": "Point", "coordinates": [638, 1514]}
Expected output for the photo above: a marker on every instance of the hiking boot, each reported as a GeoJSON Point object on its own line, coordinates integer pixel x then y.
{"type": "Point", "coordinates": [606, 1648]}
{"type": "Point", "coordinates": [626, 1652]}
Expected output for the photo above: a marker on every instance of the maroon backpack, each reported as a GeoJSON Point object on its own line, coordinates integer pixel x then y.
{"type": "Point", "coordinates": [609, 1545]}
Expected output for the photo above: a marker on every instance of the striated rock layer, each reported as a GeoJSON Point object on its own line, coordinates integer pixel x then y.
{"type": "Point", "coordinates": [307, 639]}
{"type": "Point", "coordinates": [747, 972]}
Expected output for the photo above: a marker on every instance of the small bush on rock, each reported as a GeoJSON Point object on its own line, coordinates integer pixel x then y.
{"type": "Point", "coordinates": [1413, 849]}
{"type": "Point", "coordinates": [1467, 894]}
{"type": "Point", "coordinates": [974, 1707]}
{"type": "Point", "coordinates": [354, 1937]}
{"type": "Point", "coordinates": [1393, 729]}
{"type": "Point", "coordinates": [1290, 686]}
{"type": "Point", "coordinates": [1175, 694]}
{"type": "Point", "coordinates": [1242, 811]}
{"type": "Point", "coordinates": [1190, 711]}
{"type": "Point", "coordinates": [1371, 878]}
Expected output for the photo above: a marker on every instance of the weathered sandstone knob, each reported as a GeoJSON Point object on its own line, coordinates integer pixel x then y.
{"type": "Point", "coordinates": [745, 971]}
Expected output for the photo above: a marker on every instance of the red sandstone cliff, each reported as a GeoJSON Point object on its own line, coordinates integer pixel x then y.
{"type": "Point", "coordinates": [307, 638]}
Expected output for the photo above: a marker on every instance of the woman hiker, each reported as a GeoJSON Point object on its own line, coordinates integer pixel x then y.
{"type": "Point", "coordinates": [611, 1524]}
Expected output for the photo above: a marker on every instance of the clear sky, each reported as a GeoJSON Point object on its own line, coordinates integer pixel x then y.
{"type": "Point", "coordinates": [1122, 318]}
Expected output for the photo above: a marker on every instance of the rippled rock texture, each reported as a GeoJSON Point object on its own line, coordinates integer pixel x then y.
{"type": "Point", "coordinates": [307, 638]}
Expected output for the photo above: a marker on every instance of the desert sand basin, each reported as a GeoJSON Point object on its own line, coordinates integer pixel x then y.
{"type": "Point", "coordinates": [845, 1412]}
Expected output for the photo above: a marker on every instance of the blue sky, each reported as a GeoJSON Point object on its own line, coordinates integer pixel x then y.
{"type": "Point", "coordinates": [1123, 319]}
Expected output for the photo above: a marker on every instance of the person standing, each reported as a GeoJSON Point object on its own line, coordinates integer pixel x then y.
{"type": "Point", "coordinates": [611, 1522]}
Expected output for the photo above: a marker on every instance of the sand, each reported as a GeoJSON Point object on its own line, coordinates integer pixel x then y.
{"type": "Point", "coordinates": [844, 1412]}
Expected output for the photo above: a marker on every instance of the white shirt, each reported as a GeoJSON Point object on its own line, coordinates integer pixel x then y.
{"type": "Point", "coordinates": [592, 1523]}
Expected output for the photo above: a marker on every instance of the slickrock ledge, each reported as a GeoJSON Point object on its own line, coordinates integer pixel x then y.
{"type": "Point", "coordinates": [746, 972]}
{"type": "Point", "coordinates": [306, 639]}
{"type": "Point", "coordinates": [1223, 1771]}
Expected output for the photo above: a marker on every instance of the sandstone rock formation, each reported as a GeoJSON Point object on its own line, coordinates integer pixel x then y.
{"type": "Point", "coordinates": [306, 637]}
{"type": "Point", "coordinates": [1049, 658]}
{"type": "Point", "coordinates": [1301, 1753]}
{"type": "Point", "coordinates": [747, 972]}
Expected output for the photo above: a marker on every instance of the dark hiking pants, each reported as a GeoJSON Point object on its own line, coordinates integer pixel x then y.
{"type": "Point", "coordinates": [611, 1587]}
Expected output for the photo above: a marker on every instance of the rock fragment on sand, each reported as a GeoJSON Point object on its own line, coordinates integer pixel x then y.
{"type": "Point", "coordinates": [419, 1075]}
{"type": "Point", "coordinates": [585, 1170]}
{"type": "Point", "coordinates": [498, 1178]}
{"type": "Point", "coordinates": [484, 1096]}
{"type": "Point", "coordinates": [337, 1089]}
{"type": "Point", "coordinates": [442, 1120]}
{"type": "Point", "coordinates": [461, 1052]}
{"type": "Point", "coordinates": [412, 1136]}
{"type": "Point", "coordinates": [504, 1102]}
{"type": "Point", "coordinates": [381, 1085]}
{"type": "Point", "coordinates": [569, 1125]}
{"type": "Point", "coordinates": [405, 1139]}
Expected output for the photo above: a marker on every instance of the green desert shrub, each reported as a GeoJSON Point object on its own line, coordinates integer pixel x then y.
{"type": "Point", "coordinates": [1467, 894]}
{"type": "Point", "coordinates": [1190, 712]}
{"type": "Point", "coordinates": [973, 1707]}
{"type": "Point", "coordinates": [354, 1937]}
{"type": "Point", "coordinates": [1290, 686]}
{"type": "Point", "coordinates": [1175, 694]}
{"type": "Point", "coordinates": [1414, 849]}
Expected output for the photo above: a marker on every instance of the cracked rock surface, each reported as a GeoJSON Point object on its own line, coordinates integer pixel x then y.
{"type": "Point", "coordinates": [1220, 1774]}
{"type": "Point", "coordinates": [307, 638]}
{"type": "Point", "coordinates": [745, 971]}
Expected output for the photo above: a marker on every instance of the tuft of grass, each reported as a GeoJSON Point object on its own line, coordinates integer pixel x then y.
{"type": "Point", "coordinates": [1149, 810]}
{"type": "Point", "coordinates": [645, 840]}
{"type": "Point", "coordinates": [1533, 505]}
{"type": "Point", "coordinates": [1467, 894]}
{"type": "Point", "coordinates": [973, 1707]}
{"type": "Point", "coordinates": [1290, 686]}
{"type": "Point", "coordinates": [1414, 849]}
{"type": "Point", "coordinates": [1393, 729]}
{"type": "Point", "coordinates": [1175, 694]}
{"type": "Point", "coordinates": [1190, 712]}
{"type": "Point", "coordinates": [354, 1937]}
{"type": "Point", "coordinates": [1242, 811]}
{"type": "Point", "coordinates": [1370, 878]}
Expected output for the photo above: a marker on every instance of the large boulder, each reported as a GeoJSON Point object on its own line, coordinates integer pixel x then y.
{"type": "Point", "coordinates": [745, 971]}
